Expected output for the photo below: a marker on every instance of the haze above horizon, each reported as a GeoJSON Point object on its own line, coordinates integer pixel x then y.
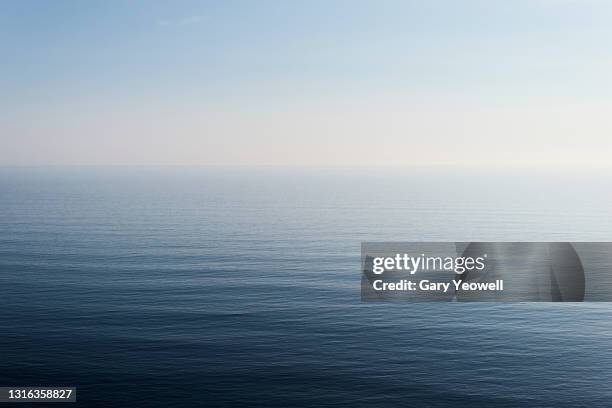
{"type": "Point", "coordinates": [306, 83]}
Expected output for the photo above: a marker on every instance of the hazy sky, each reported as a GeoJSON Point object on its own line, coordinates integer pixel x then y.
{"type": "Point", "coordinates": [306, 82]}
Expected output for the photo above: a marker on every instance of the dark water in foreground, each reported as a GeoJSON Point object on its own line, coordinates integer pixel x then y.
{"type": "Point", "coordinates": [240, 287]}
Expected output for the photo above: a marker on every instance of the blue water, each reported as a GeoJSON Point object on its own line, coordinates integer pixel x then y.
{"type": "Point", "coordinates": [240, 287]}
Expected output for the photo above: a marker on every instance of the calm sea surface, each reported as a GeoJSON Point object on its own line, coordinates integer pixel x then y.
{"type": "Point", "coordinates": [240, 287]}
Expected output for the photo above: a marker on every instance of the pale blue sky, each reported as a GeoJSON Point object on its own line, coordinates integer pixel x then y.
{"type": "Point", "coordinates": [306, 82]}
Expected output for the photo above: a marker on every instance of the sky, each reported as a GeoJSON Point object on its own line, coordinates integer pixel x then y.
{"type": "Point", "coordinates": [309, 83]}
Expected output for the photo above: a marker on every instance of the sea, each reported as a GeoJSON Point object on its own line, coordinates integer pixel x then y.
{"type": "Point", "coordinates": [240, 287]}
